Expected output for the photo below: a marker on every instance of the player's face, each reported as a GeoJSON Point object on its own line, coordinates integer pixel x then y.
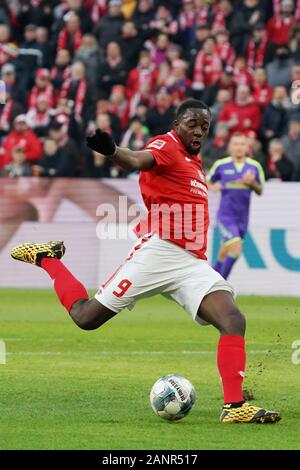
{"type": "Point", "coordinates": [238, 147]}
{"type": "Point", "coordinates": [192, 128]}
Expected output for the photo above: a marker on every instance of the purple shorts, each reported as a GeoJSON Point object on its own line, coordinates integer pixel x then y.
{"type": "Point", "coordinates": [230, 229]}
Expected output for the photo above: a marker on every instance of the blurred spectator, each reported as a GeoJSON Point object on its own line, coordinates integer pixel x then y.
{"type": "Point", "coordinates": [226, 82]}
{"type": "Point", "coordinates": [144, 73]}
{"type": "Point", "coordinates": [96, 165]}
{"type": "Point", "coordinates": [226, 11]}
{"type": "Point", "coordinates": [291, 145]}
{"type": "Point", "coordinates": [202, 32]}
{"type": "Point", "coordinates": [4, 12]}
{"type": "Point", "coordinates": [159, 118]}
{"type": "Point", "coordinates": [65, 9]}
{"type": "Point", "coordinates": [141, 110]}
{"type": "Point", "coordinates": [174, 52]}
{"type": "Point", "coordinates": [274, 118]}
{"type": "Point", "coordinates": [242, 114]}
{"type": "Point", "coordinates": [215, 147]}
{"type": "Point", "coordinates": [177, 83]}
{"type": "Point", "coordinates": [77, 89]}
{"type": "Point", "coordinates": [89, 55]}
{"type": "Point", "coordinates": [204, 12]}
{"type": "Point", "coordinates": [164, 22]}
{"type": "Point", "coordinates": [54, 161]}
{"type": "Point", "coordinates": [136, 135]}
{"type": "Point", "coordinates": [8, 112]}
{"type": "Point", "coordinates": [186, 22]}
{"type": "Point", "coordinates": [30, 55]}
{"type": "Point", "coordinates": [109, 26]}
{"type": "Point", "coordinates": [104, 107]}
{"type": "Point", "coordinates": [19, 166]}
{"type": "Point", "coordinates": [119, 104]}
{"type": "Point", "coordinates": [242, 75]}
{"type": "Point", "coordinates": [262, 92]}
{"type": "Point", "coordinates": [143, 15]}
{"type": "Point", "coordinates": [278, 165]}
{"type": "Point", "coordinates": [224, 49]}
{"type": "Point", "coordinates": [280, 25]}
{"type": "Point", "coordinates": [295, 42]}
{"type": "Point", "coordinates": [255, 149]}
{"type": "Point", "coordinates": [45, 46]}
{"type": "Point", "coordinates": [38, 118]}
{"type": "Point", "coordinates": [70, 36]}
{"type": "Point", "coordinates": [9, 54]}
{"type": "Point", "coordinates": [131, 43]}
{"type": "Point", "coordinates": [246, 17]}
{"type": "Point", "coordinates": [159, 49]}
{"type": "Point", "coordinates": [256, 47]}
{"type": "Point", "coordinates": [112, 71]}
{"type": "Point", "coordinates": [96, 9]}
{"type": "Point", "coordinates": [208, 66]}
{"type": "Point", "coordinates": [279, 70]}
{"type": "Point", "coordinates": [294, 110]}
{"type": "Point", "coordinates": [62, 69]}
{"type": "Point", "coordinates": [224, 97]}
{"type": "Point", "coordinates": [4, 40]}
{"type": "Point", "coordinates": [43, 86]}
{"type": "Point", "coordinates": [67, 146]}
{"type": "Point", "coordinates": [20, 136]}
{"type": "Point", "coordinates": [16, 87]}
{"type": "Point", "coordinates": [39, 13]}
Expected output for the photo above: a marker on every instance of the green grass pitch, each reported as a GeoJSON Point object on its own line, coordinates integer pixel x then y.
{"type": "Point", "coordinates": [63, 388]}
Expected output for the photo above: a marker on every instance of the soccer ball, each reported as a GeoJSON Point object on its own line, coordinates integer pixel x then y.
{"type": "Point", "coordinates": [172, 397]}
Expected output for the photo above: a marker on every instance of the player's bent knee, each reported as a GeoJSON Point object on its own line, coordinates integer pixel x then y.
{"type": "Point", "coordinates": [80, 315]}
{"type": "Point", "coordinates": [90, 314]}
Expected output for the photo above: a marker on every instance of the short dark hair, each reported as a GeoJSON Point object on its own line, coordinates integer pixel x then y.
{"type": "Point", "coordinates": [191, 103]}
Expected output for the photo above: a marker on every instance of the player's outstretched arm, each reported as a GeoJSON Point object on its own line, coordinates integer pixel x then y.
{"type": "Point", "coordinates": [102, 142]}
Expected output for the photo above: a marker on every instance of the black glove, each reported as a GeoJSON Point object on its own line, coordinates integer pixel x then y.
{"type": "Point", "coordinates": [101, 142]}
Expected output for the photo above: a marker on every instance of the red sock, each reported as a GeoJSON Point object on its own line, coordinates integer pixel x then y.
{"type": "Point", "coordinates": [68, 289]}
{"type": "Point", "coordinates": [231, 363]}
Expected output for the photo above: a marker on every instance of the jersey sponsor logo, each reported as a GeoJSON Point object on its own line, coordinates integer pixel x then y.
{"type": "Point", "coordinates": [188, 159]}
{"type": "Point", "coordinates": [157, 144]}
{"type": "Point", "coordinates": [198, 184]}
{"type": "Point", "coordinates": [229, 172]}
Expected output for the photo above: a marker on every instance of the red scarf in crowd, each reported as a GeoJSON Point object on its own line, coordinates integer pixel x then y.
{"type": "Point", "coordinates": [5, 117]}
{"type": "Point", "coordinates": [242, 77]}
{"type": "Point", "coordinates": [208, 68]}
{"type": "Point", "coordinates": [98, 9]}
{"type": "Point", "coordinates": [219, 22]}
{"type": "Point", "coordinates": [226, 53]}
{"type": "Point", "coordinates": [186, 19]}
{"type": "Point", "coordinates": [255, 58]}
{"type": "Point", "coordinates": [80, 94]}
{"type": "Point", "coordinates": [36, 91]}
{"type": "Point", "coordinates": [66, 73]}
{"type": "Point", "coordinates": [63, 40]}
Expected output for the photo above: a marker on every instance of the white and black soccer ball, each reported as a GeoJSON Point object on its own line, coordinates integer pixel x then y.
{"type": "Point", "coordinates": [172, 397]}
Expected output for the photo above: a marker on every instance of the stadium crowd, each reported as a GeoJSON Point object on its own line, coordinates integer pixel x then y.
{"type": "Point", "coordinates": [70, 66]}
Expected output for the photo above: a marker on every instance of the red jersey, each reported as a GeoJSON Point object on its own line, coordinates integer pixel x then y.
{"type": "Point", "coordinates": [175, 194]}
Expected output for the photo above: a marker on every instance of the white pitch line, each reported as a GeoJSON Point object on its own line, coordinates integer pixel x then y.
{"type": "Point", "coordinates": [129, 353]}
{"type": "Point", "coordinates": [129, 341]}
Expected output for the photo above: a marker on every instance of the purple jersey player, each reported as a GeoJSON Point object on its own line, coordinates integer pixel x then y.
{"type": "Point", "coordinates": [236, 177]}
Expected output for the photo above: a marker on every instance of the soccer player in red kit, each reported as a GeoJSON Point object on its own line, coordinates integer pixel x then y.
{"type": "Point", "coordinates": [169, 258]}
